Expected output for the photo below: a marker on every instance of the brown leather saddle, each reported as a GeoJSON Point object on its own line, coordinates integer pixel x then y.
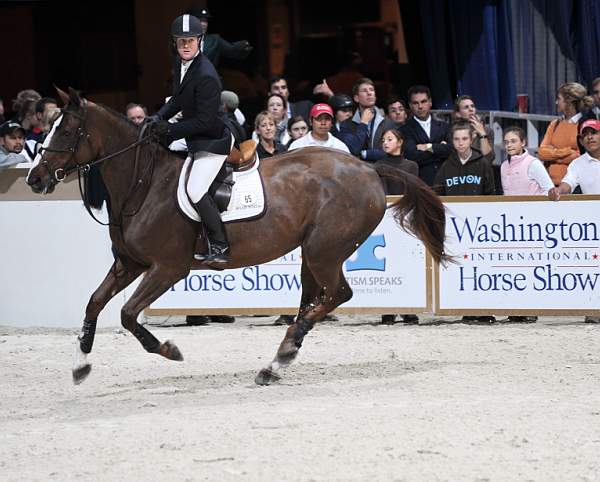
{"type": "Point", "coordinates": [241, 159]}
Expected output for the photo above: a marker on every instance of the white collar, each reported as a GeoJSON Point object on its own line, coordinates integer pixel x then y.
{"type": "Point", "coordinates": [575, 118]}
{"type": "Point", "coordinates": [590, 158]}
{"type": "Point", "coordinates": [424, 122]}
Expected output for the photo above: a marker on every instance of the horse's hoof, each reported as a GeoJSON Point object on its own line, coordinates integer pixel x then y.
{"type": "Point", "coordinates": [169, 350]}
{"type": "Point", "coordinates": [81, 373]}
{"type": "Point", "coordinates": [266, 377]}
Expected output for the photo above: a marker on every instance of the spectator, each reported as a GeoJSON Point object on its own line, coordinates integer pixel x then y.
{"type": "Point", "coordinates": [297, 127]}
{"type": "Point", "coordinates": [483, 136]}
{"type": "Point", "coordinates": [396, 110]}
{"type": "Point", "coordinates": [1, 111]}
{"type": "Point", "coordinates": [230, 102]}
{"type": "Point", "coordinates": [521, 173]}
{"type": "Point", "coordinates": [41, 107]}
{"type": "Point", "coordinates": [214, 46]}
{"type": "Point", "coordinates": [278, 85]}
{"type": "Point", "coordinates": [466, 172]}
{"type": "Point", "coordinates": [265, 129]}
{"type": "Point", "coordinates": [276, 106]}
{"type": "Point", "coordinates": [559, 147]}
{"type": "Point", "coordinates": [594, 112]}
{"type": "Point", "coordinates": [30, 122]}
{"type": "Point", "coordinates": [18, 104]}
{"type": "Point", "coordinates": [12, 141]}
{"type": "Point", "coordinates": [321, 120]}
{"type": "Point", "coordinates": [136, 113]}
{"type": "Point", "coordinates": [342, 106]}
{"type": "Point", "coordinates": [392, 146]}
{"type": "Point", "coordinates": [426, 139]}
{"type": "Point", "coordinates": [584, 172]}
{"type": "Point", "coordinates": [363, 132]}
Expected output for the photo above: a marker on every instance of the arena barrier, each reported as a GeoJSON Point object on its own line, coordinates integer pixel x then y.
{"type": "Point", "coordinates": [53, 256]}
{"type": "Point", "coordinates": [514, 255]}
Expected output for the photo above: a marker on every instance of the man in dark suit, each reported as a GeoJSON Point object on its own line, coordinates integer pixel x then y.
{"type": "Point", "coordinates": [278, 85]}
{"type": "Point", "coordinates": [426, 140]}
{"type": "Point", "coordinates": [362, 133]}
{"type": "Point", "coordinates": [214, 46]}
{"type": "Point", "coordinates": [197, 95]}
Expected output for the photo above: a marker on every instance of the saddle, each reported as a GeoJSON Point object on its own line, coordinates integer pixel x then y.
{"type": "Point", "coordinates": [240, 159]}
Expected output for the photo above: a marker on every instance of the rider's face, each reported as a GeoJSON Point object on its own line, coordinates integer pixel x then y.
{"type": "Point", "coordinates": [187, 47]}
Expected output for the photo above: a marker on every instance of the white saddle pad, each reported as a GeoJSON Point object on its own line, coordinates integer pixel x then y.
{"type": "Point", "coordinates": [247, 198]}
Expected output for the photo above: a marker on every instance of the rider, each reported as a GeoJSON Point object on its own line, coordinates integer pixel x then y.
{"type": "Point", "coordinates": [197, 94]}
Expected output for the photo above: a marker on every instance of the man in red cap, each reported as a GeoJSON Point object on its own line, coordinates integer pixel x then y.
{"type": "Point", "coordinates": [321, 120]}
{"type": "Point", "coordinates": [584, 171]}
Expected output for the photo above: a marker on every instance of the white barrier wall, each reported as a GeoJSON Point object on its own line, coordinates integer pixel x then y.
{"type": "Point", "coordinates": [53, 257]}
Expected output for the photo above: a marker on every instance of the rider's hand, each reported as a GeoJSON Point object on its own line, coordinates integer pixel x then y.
{"type": "Point", "coordinates": [161, 128]}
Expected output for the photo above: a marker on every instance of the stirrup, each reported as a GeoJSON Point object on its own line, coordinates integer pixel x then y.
{"type": "Point", "coordinates": [216, 254]}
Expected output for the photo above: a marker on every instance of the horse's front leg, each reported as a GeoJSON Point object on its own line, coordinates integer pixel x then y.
{"type": "Point", "coordinates": [156, 281]}
{"type": "Point", "coordinates": [118, 278]}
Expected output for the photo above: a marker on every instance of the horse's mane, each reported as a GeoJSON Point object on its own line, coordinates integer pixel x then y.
{"type": "Point", "coordinates": [121, 116]}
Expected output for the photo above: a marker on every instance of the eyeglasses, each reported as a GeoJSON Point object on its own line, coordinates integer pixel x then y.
{"type": "Point", "coordinates": [597, 92]}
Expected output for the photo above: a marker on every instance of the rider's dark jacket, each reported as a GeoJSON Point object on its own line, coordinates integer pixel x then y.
{"type": "Point", "coordinates": [198, 97]}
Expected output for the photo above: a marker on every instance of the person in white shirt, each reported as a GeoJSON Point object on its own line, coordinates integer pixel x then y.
{"type": "Point", "coordinates": [321, 120]}
{"type": "Point", "coordinates": [584, 171]}
{"type": "Point", "coordinates": [12, 141]}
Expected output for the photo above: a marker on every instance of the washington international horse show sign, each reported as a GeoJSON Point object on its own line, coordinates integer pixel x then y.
{"type": "Point", "coordinates": [514, 255]}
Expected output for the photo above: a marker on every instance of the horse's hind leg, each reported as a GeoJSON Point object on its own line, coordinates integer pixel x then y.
{"type": "Point", "coordinates": [118, 278]}
{"type": "Point", "coordinates": [329, 289]}
{"type": "Point", "coordinates": [156, 281]}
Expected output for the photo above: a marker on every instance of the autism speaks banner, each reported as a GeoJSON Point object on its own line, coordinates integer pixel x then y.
{"type": "Point", "coordinates": [521, 256]}
{"type": "Point", "coordinates": [388, 273]}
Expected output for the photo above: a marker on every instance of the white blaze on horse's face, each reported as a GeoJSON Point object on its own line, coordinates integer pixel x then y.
{"type": "Point", "coordinates": [46, 143]}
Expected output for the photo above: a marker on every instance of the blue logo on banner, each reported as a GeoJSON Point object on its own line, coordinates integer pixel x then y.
{"type": "Point", "coordinates": [366, 258]}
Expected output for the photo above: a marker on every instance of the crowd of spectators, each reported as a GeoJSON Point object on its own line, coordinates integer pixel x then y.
{"type": "Point", "coordinates": [453, 158]}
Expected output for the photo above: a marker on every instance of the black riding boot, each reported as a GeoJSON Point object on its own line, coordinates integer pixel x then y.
{"type": "Point", "coordinates": [217, 240]}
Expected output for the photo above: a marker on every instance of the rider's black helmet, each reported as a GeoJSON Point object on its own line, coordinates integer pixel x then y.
{"type": "Point", "coordinates": [186, 26]}
{"type": "Point", "coordinates": [341, 101]}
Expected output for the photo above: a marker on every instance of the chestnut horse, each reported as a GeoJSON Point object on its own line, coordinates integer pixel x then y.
{"type": "Point", "coordinates": [326, 201]}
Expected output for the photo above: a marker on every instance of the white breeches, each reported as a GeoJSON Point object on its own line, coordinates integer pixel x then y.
{"type": "Point", "coordinates": [205, 168]}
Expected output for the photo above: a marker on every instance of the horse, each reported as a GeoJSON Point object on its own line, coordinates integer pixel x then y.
{"type": "Point", "coordinates": [323, 200]}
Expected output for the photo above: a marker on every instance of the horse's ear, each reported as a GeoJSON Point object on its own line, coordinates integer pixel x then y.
{"type": "Point", "coordinates": [63, 95]}
{"type": "Point", "coordinates": [74, 97]}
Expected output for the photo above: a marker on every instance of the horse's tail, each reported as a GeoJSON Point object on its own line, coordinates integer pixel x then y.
{"type": "Point", "coordinates": [419, 211]}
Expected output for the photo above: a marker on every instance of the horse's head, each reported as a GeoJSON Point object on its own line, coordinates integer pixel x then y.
{"type": "Point", "coordinates": [66, 147]}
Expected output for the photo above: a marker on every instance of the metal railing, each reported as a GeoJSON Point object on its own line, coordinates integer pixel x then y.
{"type": "Point", "coordinates": [497, 121]}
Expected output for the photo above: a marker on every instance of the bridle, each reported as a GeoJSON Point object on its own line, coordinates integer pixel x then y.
{"type": "Point", "coordinates": [83, 169]}
{"type": "Point", "coordinates": [60, 174]}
